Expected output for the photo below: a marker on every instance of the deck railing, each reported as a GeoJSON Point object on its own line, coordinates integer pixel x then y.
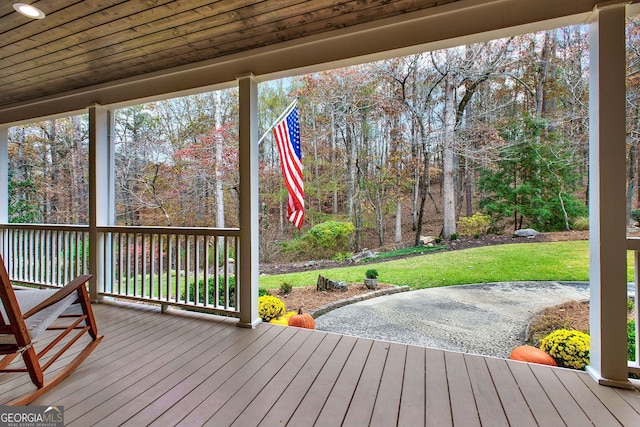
{"type": "Point", "coordinates": [184, 267]}
{"type": "Point", "coordinates": [633, 244]}
{"type": "Point", "coordinates": [187, 267]}
{"type": "Point", "coordinates": [44, 255]}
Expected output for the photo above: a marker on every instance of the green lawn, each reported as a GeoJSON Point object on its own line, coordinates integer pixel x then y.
{"type": "Point", "coordinates": [567, 261]}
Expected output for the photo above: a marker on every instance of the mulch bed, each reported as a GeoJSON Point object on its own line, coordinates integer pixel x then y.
{"type": "Point", "coordinates": [309, 299]}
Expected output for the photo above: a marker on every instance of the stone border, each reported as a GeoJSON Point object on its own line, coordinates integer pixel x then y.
{"type": "Point", "coordinates": [324, 309]}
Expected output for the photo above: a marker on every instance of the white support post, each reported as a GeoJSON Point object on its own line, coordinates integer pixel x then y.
{"type": "Point", "coordinates": [101, 194]}
{"type": "Point", "coordinates": [607, 199]}
{"type": "Point", "coordinates": [248, 164]}
{"type": "Point", "coordinates": [4, 175]}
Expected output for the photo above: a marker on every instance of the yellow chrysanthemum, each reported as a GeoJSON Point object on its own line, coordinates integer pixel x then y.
{"type": "Point", "coordinates": [270, 307]}
{"type": "Point", "coordinates": [569, 348]}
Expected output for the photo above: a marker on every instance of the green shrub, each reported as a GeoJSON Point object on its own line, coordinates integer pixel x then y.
{"type": "Point", "coordinates": [327, 240]}
{"type": "Point", "coordinates": [263, 291]}
{"type": "Point", "coordinates": [342, 256]}
{"type": "Point", "coordinates": [332, 236]}
{"type": "Point", "coordinates": [635, 215]}
{"type": "Point", "coordinates": [371, 274]}
{"type": "Point", "coordinates": [473, 225]}
{"type": "Point", "coordinates": [453, 236]}
{"type": "Point", "coordinates": [581, 223]}
{"type": "Point", "coordinates": [296, 246]}
{"type": "Point", "coordinates": [270, 307]}
{"type": "Point", "coordinates": [631, 340]}
{"type": "Point", "coordinates": [286, 287]}
{"type": "Point", "coordinates": [211, 291]}
{"type": "Point", "coordinates": [568, 347]}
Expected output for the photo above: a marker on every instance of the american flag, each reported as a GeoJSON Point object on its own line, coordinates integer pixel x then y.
{"type": "Point", "coordinates": [287, 135]}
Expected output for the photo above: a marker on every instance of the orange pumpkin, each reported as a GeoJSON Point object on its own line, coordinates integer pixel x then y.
{"type": "Point", "coordinates": [527, 353]}
{"type": "Point", "coordinates": [302, 320]}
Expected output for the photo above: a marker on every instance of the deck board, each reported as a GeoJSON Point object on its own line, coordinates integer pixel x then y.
{"type": "Point", "coordinates": [270, 372]}
{"type": "Point", "coordinates": [319, 372]}
{"type": "Point", "coordinates": [515, 407]}
{"type": "Point", "coordinates": [413, 397]}
{"type": "Point", "coordinates": [564, 402]}
{"type": "Point", "coordinates": [539, 403]}
{"type": "Point", "coordinates": [192, 369]}
{"type": "Point", "coordinates": [131, 387]}
{"type": "Point", "coordinates": [244, 368]}
{"type": "Point", "coordinates": [438, 402]}
{"type": "Point", "coordinates": [387, 404]}
{"type": "Point", "coordinates": [285, 379]}
{"type": "Point", "coordinates": [230, 363]}
{"type": "Point", "coordinates": [133, 353]}
{"type": "Point", "coordinates": [586, 399]}
{"type": "Point", "coordinates": [463, 405]}
{"type": "Point", "coordinates": [614, 402]}
{"type": "Point", "coordinates": [490, 409]}
{"type": "Point", "coordinates": [151, 397]}
{"type": "Point", "coordinates": [165, 396]}
{"type": "Point", "coordinates": [364, 398]}
{"type": "Point", "coordinates": [337, 393]}
{"type": "Point", "coordinates": [631, 397]}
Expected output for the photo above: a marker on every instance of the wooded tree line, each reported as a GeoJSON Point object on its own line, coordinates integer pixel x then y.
{"type": "Point", "coordinates": [445, 130]}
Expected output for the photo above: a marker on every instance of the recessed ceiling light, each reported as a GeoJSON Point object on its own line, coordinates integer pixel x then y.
{"type": "Point", "coordinates": [28, 10]}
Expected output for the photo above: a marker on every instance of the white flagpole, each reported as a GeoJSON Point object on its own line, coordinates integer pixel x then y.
{"type": "Point", "coordinates": [286, 111]}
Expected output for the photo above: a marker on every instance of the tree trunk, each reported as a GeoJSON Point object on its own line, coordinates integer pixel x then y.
{"type": "Point", "coordinates": [468, 187]}
{"type": "Point", "coordinates": [219, 181]}
{"type": "Point", "coordinates": [54, 197]}
{"type": "Point", "coordinates": [334, 207]}
{"type": "Point", "coordinates": [81, 207]}
{"type": "Point", "coordinates": [315, 155]}
{"type": "Point", "coordinates": [448, 162]}
{"type": "Point", "coordinates": [423, 199]}
{"type": "Point", "coordinates": [544, 101]}
{"type": "Point", "coordinates": [633, 149]}
{"type": "Point", "coordinates": [351, 171]}
{"type": "Point", "coordinates": [398, 236]}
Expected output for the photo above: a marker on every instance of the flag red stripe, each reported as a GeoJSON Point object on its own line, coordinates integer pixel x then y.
{"type": "Point", "coordinates": [291, 168]}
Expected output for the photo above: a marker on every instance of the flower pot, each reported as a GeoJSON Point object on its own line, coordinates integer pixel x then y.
{"type": "Point", "coordinates": [371, 283]}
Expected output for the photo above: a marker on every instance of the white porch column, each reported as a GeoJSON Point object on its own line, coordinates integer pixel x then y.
{"type": "Point", "coordinates": [248, 164]}
{"type": "Point", "coordinates": [4, 175]}
{"type": "Point", "coordinates": [101, 194]}
{"type": "Point", "coordinates": [607, 204]}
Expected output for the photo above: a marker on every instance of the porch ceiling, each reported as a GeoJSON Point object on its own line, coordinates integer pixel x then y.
{"type": "Point", "coordinates": [116, 51]}
{"type": "Point", "coordinates": [85, 43]}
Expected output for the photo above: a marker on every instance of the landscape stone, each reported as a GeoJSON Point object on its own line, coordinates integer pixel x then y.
{"type": "Point", "coordinates": [363, 255]}
{"type": "Point", "coordinates": [526, 232]}
{"type": "Point", "coordinates": [325, 284]}
{"type": "Point", "coordinates": [426, 240]}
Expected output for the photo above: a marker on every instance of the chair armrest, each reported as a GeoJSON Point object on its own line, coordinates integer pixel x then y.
{"type": "Point", "coordinates": [64, 292]}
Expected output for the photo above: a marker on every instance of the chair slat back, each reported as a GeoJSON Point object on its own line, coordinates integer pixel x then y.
{"type": "Point", "coordinates": [12, 308]}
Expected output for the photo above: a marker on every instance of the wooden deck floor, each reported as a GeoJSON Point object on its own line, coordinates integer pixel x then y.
{"type": "Point", "coordinates": [191, 370]}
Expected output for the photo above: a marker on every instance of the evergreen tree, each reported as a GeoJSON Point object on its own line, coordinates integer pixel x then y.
{"type": "Point", "coordinates": [534, 180]}
{"type": "Point", "coordinates": [22, 207]}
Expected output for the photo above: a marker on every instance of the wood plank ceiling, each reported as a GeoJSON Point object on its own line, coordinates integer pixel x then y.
{"type": "Point", "coordinates": [85, 43]}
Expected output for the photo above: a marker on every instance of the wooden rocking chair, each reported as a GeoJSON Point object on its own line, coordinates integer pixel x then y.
{"type": "Point", "coordinates": [25, 314]}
